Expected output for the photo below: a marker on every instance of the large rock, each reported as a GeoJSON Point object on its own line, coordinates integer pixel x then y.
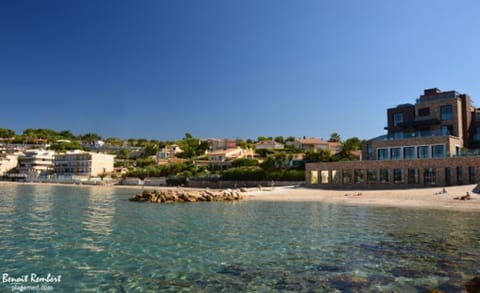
{"type": "Point", "coordinates": [165, 196]}
{"type": "Point", "coordinates": [473, 286]}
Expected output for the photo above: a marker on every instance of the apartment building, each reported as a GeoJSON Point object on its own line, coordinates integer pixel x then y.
{"type": "Point", "coordinates": [36, 162]}
{"type": "Point", "coordinates": [84, 164]}
{"type": "Point", "coordinates": [433, 142]}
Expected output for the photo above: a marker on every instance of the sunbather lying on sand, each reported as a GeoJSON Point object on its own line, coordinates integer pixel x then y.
{"type": "Point", "coordinates": [465, 197]}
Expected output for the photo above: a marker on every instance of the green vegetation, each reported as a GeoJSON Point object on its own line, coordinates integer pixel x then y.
{"type": "Point", "coordinates": [90, 137]}
{"type": "Point", "coordinates": [346, 154]}
{"type": "Point", "coordinates": [334, 137]}
{"type": "Point", "coordinates": [189, 169]}
{"type": "Point", "coordinates": [192, 147]}
{"type": "Point", "coordinates": [139, 155]}
{"type": "Point", "coordinates": [244, 163]}
{"type": "Point", "coordinates": [7, 133]}
{"type": "Point", "coordinates": [244, 173]}
{"type": "Point", "coordinates": [62, 147]}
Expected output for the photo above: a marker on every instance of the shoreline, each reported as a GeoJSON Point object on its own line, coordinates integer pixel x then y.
{"type": "Point", "coordinates": [423, 198]}
{"type": "Point", "coordinates": [418, 198]}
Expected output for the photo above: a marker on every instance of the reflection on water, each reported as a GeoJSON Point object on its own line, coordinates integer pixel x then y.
{"type": "Point", "coordinates": [39, 225]}
{"type": "Point", "coordinates": [7, 210]}
{"type": "Point", "coordinates": [98, 240]}
{"type": "Point", "coordinates": [98, 218]}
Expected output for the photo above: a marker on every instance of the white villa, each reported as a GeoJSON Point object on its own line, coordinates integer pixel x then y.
{"type": "Point", "coordinates": [169, 151]}
{"type": "Point", "coordinates": [314, 144]}
{"type": "Point", "coordinates": [269, 145]}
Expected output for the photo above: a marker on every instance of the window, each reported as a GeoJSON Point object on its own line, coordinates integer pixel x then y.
{"type": "Point", "coordinates": [347, 176]}
{"type": "Point", "coordinates": [358, 175]}
{"type": "Point", "coordinates": [384, 175]}
{"type": "Point", "coordinates": [448, 176]}
{"type": "Point", "coordinates": [398, 135]}
{"type": "Point", "coordinates": [382, 154]}
{"type": "Point", "coordinates": [397, 118]}
{"type": "Point", "coordinates": [314, 177]}
{"type": "Point", "coordinates": [429, 176]}
{"type": "Point", "coordinates": [438, 151]}
{"type": "Point", "coordinates": [459, 175]}
{"type": "Point", "coordinates": [424, 112]}
{"type": "Point", "coordinates": [446, 112]}
{"type": "Point", "coordinates": [395, 153]}
{"type": "Point", "coordinates": [397, 176]}
{"type": "Point", "coordinates": [447, 130]}
{"type": "Point", "coordinates": [371, 176]}
{"type": "Point", "coordinates": [369, 150]}
{"type": "Point", "coordinates": [412, 176]}
{"type": "Point", "coordinates": [409, 153]}
{"type": "Point", "coordinates": [471, 175]}
{"type": "Point", "coordinates": [423, 151]}
{"type": "Point", "coordinates": [476, 135]}
{"type": "Point", "coordinates": [324, 176]}
{"type": "Point", "coordinates": [335, 177]}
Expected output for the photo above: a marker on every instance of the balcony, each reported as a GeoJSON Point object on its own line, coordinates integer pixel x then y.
{"type": "Point", "coordinates": [407, 135]}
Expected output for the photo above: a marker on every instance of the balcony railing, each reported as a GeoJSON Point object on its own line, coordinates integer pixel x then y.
{"type": "Point", "coordinates": [407, 135]}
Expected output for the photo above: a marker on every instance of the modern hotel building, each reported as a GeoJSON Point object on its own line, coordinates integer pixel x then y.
{"type": "Point", "coordinates": [430, 143]}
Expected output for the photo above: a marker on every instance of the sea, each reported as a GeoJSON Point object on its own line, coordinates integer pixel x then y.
{"type": "Point", "coordinates": [92, 239]}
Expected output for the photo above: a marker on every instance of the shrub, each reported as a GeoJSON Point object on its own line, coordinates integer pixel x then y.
{"type": "Point", "coordinates": [244, 163]}
{"type": "Point", "coordinates": [244, 173]}
{"type": "Point", "coordinates": [287, 175]}
{"type": "Point", "coordinates": [176, 180]}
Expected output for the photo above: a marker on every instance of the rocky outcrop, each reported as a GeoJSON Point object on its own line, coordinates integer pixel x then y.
{"type": "Point", "coordinates": [473, 286]}
{"type": "Point", "coordinates": [171, 195]}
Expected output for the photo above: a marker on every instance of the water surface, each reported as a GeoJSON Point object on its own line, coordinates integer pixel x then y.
{"type": "Point", "coordinates": [99, 242]}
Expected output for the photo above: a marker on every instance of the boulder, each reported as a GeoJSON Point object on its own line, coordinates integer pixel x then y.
{"type": "Point", "coordinates": [179, 195]}
{"type": "Point", "coordinates": [473, 286]}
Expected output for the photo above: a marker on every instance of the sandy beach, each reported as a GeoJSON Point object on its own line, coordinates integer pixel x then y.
{"type": "Point", "coordinates": [427, 198]}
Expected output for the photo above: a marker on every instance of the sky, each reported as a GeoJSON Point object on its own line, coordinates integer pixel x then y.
{"type": "Point", "coordinates": [229, 69]}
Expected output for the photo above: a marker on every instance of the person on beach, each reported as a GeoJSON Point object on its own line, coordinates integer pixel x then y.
{"type": "Point", "coordinates": [465, 197]}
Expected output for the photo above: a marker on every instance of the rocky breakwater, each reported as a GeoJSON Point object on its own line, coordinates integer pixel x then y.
{"type": "Point", "coordinates": [172, 195]}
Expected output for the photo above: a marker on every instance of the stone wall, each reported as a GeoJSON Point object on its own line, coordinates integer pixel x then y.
{"type": "Point", "coordinates": [239, 184]}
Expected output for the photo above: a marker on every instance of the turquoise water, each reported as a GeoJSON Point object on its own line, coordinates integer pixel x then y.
{"type": "Point", "coordinates": [100, 242]}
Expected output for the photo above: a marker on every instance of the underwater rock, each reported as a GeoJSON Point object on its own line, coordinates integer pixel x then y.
{"type": "Point", "coordinates": [473, 286]}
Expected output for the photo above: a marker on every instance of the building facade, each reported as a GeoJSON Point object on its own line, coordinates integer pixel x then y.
{"type": "Point", "coordinates": [36, 162]}
{"type": "Point", "coordinates": [394, 174]}
{"type": "Point", "coordinates": [216, 144]}
{"type": "Point", "coordinates": [7, 163]}
{"type": "Point", "coordinates": [269, 145]}
{"type": "Point", "coordinates": [169, 151]}
{"type": "Point", "coordinates": [430, 143]}
{"type": "Point", "coordinates": [222, 159]}
{"type": "Point", "coordinates": [315, 144]}
{"type": "Point", "coordinates": [84, 164]}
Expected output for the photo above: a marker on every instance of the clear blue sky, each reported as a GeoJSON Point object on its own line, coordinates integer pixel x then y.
{"type": "Point", "coordinates": [159, 69]}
